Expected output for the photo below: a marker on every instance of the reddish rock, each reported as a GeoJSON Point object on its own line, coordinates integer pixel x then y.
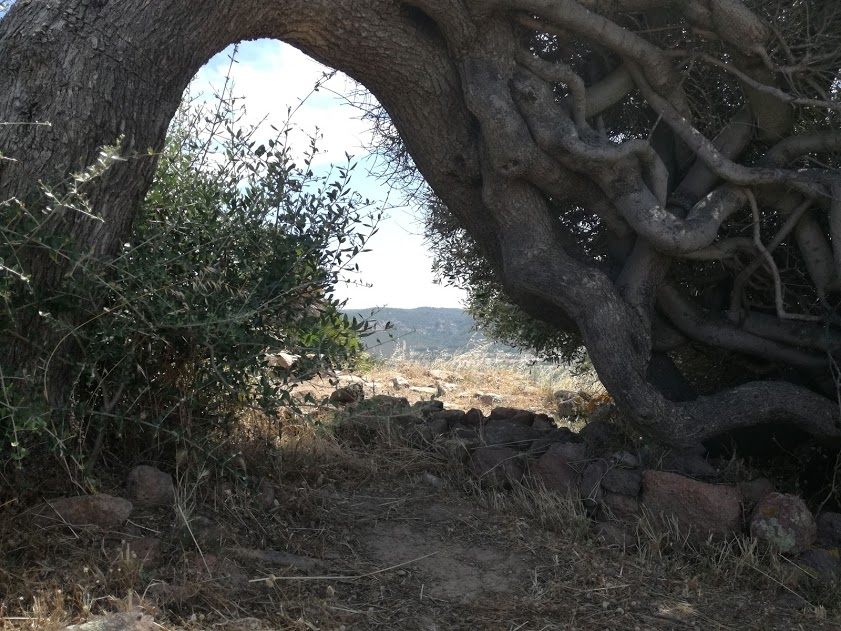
{"type": "Point", "coordinates": [508, 413]}
{"type": "Point", "coordinates": [498, 465]}
{"type": "Point", "coordinates": [148, 486]}
{"type": "Point", "coordinates": [104, 511]}
{"type": "Point", "coordinates": [557, 469]}
{"type": "Point", "coordinates": [620, 506]}
{"type": "Point", "coordinates": [785, 522]}
{"type": "Point", "coordinates": [701, 509]}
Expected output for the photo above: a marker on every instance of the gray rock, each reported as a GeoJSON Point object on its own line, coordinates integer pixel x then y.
{"type": "Point", "coordinates": [754, 491]}
{"type": "Point", "coordinates": [823, 563]}
{"type": "Point", "coordinates": [122, 621]}
{"type": "Point", "coordinates": [700, 509]}
{"type": "Point", "coordinates": [591, 483]}
{"type": "Point", "coordinates": [543, 421]}
{"type": "Point", "coordinates": [507, 433]}
{"type": "Point", "coordinates": [497, 465]}
{"type": "Point", "coordinates": [473, 417]}
{"type": "Point", "coordinates": [622, 481]}
{"type": "Point", "coordinates": [557, 435]}
{"type": "Point", "coordinates": [149, 486]}
{"type": "Point", "coordinates": [103, 511]}
{"type": "Point", "coordinates": [599, 434]}
{"type": "Point", "coordinates": [625, 459]}
{"type": "Point", "coordinates": [784, 522]}
{"type": "Point", "coordinates": [558, 469]}
{"type": "Point", "coordinates": [508, 413]}
{"type": "Point", "coordinates": [688, 462]}
{"type": "Point", "coordinates": [438, 426]}
{"type": "Point", "coordinates": [387, 403]}
{"type": "Point", "coordinates": [829, 529]}
{"type": "Point", "coordinates": [450, 416]}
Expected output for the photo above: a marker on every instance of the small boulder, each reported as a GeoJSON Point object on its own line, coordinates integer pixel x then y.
{"type": "Point", "coordinates": [387, 403]}
{"type": "Point", "coordinates": [622, 481]}
{"type": "Point", "coordinates": [558, 469]}
{"type": "Point", "coordinates": [508, 433]}
{"type": "Point", "coordinates": [829, 529]}
{"type": "Point", "coordinates": [599, 434]}
{"type": "Point", "coordinates": [619, 506]}
{"type": "Point", "coordinates": [701, 509]}
{"type": "Point", "coordinates": [507, 413]}
{"type": "Point", "coordinates": [104, 511]}
{"type": "Point", "coordinates": [473, 417]}
{"type": "Point", "coordinates": [428, 408]}
{"type": "Point", "coordinates": [754, 491]}
{"type": "Point", "coordinates": [557, 435]}
{"type": "Point", "coordinates": [498, 465]}
{"type": "Point", "coordinates": [543, 421]}
{"type": "Point", "coordinates": [591, 483]}
{"type": "Point", "coordinates": [824, 563]}
{"type": "Point", "coordinates": [438, 426]}
{"type": "Point", "coordinates": [785, 522]}
{"type": "Point", "coordinates": [148, 486]}
{"type": "Point", "coordinates": [487, 398]}
{"type": "Point", "coordinates": [450, 416]}
{"type": "Point", "coordinates": [347, 394]}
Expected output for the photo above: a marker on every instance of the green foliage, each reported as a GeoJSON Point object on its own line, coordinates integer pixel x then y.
{"type": "Point", "coordinates": [234, 255]}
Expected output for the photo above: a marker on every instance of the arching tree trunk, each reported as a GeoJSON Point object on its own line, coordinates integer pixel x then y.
{"type": "Point", "coordinates": [479, 119]}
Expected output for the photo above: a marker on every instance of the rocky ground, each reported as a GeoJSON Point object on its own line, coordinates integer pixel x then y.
{"type": "Point", "coordinates": [417, 513]}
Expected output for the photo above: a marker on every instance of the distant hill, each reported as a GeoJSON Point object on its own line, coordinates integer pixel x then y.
{"type": "Point", "coordinates": [425, 331]}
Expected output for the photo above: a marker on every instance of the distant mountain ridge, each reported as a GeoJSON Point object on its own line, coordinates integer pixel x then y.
{"type": "Point", "coordinates": [422, 331]}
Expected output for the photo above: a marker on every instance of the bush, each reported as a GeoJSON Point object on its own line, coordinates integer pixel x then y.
{"type": "Point", "coordinates": [235, 255]}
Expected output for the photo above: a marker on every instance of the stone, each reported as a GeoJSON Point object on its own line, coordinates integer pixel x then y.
{"type": "Point", "coordinates": [121, 621]}
{"type": "Point", "coordinates": [824, 563]}
{"type": "Point", "coordinates": [103, 511]}
{"type": "Point", "coordinates": [474, 417]}
{"type": "Point", "coordinates": [438, 426]}
{"type": "Point", "coordinates": [784, 522]}
{"type": "Point", "coordinates": [625, 459]}
{"type": "Point", "coordinates": [497, 465]}
{"type": "Point", "coordinates": [618, 506]}
{"type": "Point", "coordinates": [508, 433]}
{"type": "Point", "coordinates": [754, 491]}
{"type": "Point", "coordinates": [149, 486]}
{"type": "Point", "coordinates": [284, 360]}
{"type": "Point", "coordinates": [427, 408]}
{"type": "Point", "coordinates": [145, 551]}
{"type": "Point", "coordinates": [614, 535]}
{"type": "Point", "coordinates": [599, 434]}
{"type": "Point", "coordinates": [349, 380]}
{"type": "Point", "coordinates": [622, 481]}
{"type": "Point", "coordinates": [543, 421]}
{"type": "Point", "coordinates": [468, 434]}
{"type": "Point", "coordinates": [591, 483]}
{"type": "Point", "coordinates": [347, 394]}
{"type": "Point", "coordinates": [450, 416]}
{"type": "Point", "coordinates": [507, 413]}
{"type": "Point", "coordinates": [425, 390]}
{"type": "Point", "coordinates": [700, 509]}
{"type": "Point", "coordinates": [557, 469]}
{"type": "Point", "coordinates": [557, 435]}
{"type": "Point", "coordinates": [687, 462]}
{"type": "Point", "coordinates": [487, 398]}
{"type": "Point", "coordinates": [829, 529]}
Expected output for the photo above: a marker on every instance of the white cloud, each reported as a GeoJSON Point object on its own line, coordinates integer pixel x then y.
{"type": "Point", "coordinates": [272, 77]}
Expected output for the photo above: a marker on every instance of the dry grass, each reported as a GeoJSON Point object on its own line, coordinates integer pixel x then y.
{"type": "Point", "coordinates": [405, 538]}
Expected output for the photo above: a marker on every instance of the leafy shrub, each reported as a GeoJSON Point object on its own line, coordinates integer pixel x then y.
{"type": "Point", "coordinates": [235, 255]}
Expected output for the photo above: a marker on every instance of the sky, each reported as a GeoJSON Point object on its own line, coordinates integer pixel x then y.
{"type": "Point", "coordinates": [271, 77]}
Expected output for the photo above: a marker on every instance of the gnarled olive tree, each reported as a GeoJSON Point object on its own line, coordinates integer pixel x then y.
{"type": "Point", "coordinates": [501, 105]}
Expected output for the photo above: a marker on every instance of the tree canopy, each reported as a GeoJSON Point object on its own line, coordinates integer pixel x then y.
{"type": "Point", "coordinates": [646, 175]}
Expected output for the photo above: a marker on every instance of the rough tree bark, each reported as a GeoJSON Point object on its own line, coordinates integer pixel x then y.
{"type": "Point", "coordinates": [479, 114]}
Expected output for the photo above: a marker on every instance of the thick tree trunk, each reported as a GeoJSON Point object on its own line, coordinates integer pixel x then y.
{"type": "Point", "coordinates": [483, 129]}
